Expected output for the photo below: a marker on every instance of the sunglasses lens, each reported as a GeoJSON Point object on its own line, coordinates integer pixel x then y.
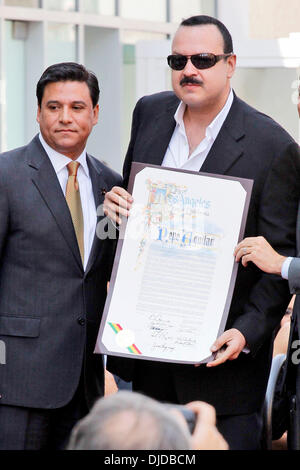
{"type": "Point", "coordinates": [200, 61]}
{"type": "Point", "coordinates": [203, 61]}
{"type": "Point", "coordinates": [177, 62]}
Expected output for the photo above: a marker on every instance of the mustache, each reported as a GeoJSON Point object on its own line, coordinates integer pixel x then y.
{"type": "Point", "coordinates": [190, 81]}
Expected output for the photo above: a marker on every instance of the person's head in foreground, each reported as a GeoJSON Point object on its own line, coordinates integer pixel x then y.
{"type": "Point", "coordinates": [131, 421]}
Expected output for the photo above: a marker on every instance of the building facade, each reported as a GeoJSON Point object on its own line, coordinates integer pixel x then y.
{"type": "Point", "coordinates": [125, 42]}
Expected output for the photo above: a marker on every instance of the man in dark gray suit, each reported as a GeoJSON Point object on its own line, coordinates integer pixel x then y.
{"type": "Point", "coordinates": [53, 268]}
{"type": "Point", "coordinates": [203, 126]}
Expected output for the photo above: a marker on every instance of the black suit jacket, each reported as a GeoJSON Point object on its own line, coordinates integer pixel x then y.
{"type": "Point", "coordinates": [249, 145]}
{"type": "Point", "coordinates": [50, 307]}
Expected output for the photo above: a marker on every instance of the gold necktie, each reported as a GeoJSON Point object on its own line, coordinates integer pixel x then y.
{"type": "Point", "coordinates": [74, 203]}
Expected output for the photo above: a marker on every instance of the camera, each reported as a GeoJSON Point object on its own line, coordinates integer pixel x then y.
{"type": "Point", "coordinates": [188, 415]}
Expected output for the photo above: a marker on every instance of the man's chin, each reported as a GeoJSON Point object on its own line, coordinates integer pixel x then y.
{"type": "Point", "coordinates": [66, 147]}
{"type": "Point", "coordinates": [66, 141]}
{"type": "Point", "coordinates": [192, 101]}
{"type": "Point", "coordinates": [65, 136]}
{"type": "Point", "coordinates": [191, 96]}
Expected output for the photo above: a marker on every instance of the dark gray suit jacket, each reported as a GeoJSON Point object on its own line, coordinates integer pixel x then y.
{"type": "Point", "coordinates": [50, 307]}
{"type": "Point", "coordinates": [291, 375]}
{"type": "Point", "coordinates": [249, 145]}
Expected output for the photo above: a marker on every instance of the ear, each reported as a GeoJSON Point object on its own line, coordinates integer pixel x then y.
{"type": "Point", "coordinates": [38, 114]}
{"type": "Point", "coordinates": [96, 114]}
{"type": "Point", "coordinates": [231, 65]}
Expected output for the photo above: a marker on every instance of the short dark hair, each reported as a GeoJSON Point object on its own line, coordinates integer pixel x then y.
{"type": "Point", "coordinates": [68, 71]}
{"type": "Point", "coordinates": [201, 20]}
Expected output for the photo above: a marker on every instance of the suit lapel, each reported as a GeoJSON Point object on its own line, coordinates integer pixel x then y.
{"type": "Point", "coordinates": [228, 146]}
{"type": "Point", "coordinates": [99, 188]}
{"type": "Point", "coordinates": [44, 177]}
{"type": "Point", "coordinates": [156, 137]}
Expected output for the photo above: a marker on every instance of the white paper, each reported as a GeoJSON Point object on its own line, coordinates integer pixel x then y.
{"type": "Point", "coordinates": [175, 266]}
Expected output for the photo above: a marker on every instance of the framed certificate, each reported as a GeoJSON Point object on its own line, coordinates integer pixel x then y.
{"type": "Point", "coordinates": [174, 270]}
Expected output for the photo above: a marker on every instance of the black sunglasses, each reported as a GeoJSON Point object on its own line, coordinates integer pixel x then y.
{"type": "Point", "coordinates": [204, 60]}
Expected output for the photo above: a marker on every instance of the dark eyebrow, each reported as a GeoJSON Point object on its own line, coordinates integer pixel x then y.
{"type": "Point", "coordinates": [58, 102]}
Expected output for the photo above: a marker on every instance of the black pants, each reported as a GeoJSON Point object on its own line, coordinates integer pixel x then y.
{"type": "Point", "coordinates": [242, 432]}
{"type": "Point", "coordinates": [39, 429]}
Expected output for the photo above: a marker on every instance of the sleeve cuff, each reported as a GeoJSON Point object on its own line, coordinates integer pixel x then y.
{"type": "Point", "coordinates": [285, 268]}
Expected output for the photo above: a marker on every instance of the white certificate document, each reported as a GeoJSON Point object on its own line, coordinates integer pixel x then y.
{"type": "Point", "coordinates": [174, 271]}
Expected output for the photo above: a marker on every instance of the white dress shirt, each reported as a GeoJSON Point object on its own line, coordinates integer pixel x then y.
{"type": "Point", "coordinates": [285, 267]}
{"type": "Point", "coordinates": [177, 154]}
{"type": "Point", "coordinates": [60, 163]}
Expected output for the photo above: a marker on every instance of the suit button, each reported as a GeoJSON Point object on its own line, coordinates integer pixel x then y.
{"type": "Point", "coordinates": [81, 321]}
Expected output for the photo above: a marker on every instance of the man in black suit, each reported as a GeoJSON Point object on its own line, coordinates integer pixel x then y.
{"type": "Point", "coordinates": [54, 269]}
{"type": "Point", "coordinates": [205, 127]}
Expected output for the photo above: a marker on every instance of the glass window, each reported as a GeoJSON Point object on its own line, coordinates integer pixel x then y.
{"type": "Point", "coordinates": [154, 10]}
{"type": "Point", "coordinates": [22, 3]}
{"type": "Point", "coordinates": [15, 91]}
{"type": "Point", "coordinates": [65, 5]}
{"type": "Point", "coordinates": [102, 7]}
{"type": "Point", "coordinates": [61, 43]}
{"type": "Point", "coordinates": [129, 40]}
{"type": "Point", "coordinates": [129, 96]}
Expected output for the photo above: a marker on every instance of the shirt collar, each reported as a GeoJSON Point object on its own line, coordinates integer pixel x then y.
{"type": "Point", "coordinates": [214, 127]}
{"type": "Point", "coordinates": [59, 161]}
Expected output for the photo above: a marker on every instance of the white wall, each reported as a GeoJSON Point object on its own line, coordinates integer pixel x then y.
{"type": "Point", "coordinates": [283, 52]}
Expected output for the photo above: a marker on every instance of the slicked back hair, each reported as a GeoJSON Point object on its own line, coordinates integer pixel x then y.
{"type": "Point", "coordinates": [68, 71]}
{"type": "Point", "coordinates": [202, 20]}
